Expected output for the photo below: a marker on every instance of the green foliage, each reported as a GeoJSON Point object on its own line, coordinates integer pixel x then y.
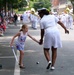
{"type": "Point", "coordinates": [47, 4]}
{"type": "Point", "coordinates": [21, 9]}
{"type": "Point", "coordinates": [72, 1]}
{"type": "Point", "coordinates": [27, 8]}
{"type": "Point", "coordinates": [22, 3]}
{"type": "Point", "coordinates": [19, 4]}
{"type": "Point", "coordinates": [14, 3]}
{"type": "Point", "coordinates": [31, 4]}
{"type": "Point", "coordinates": [40, 4]}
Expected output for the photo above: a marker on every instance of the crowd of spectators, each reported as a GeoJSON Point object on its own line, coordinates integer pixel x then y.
{"type": "Point", "coordinates": [5, 19]}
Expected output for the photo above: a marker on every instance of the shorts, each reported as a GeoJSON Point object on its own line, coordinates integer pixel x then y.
{"type": "Point", "coordinates": [19, 47]}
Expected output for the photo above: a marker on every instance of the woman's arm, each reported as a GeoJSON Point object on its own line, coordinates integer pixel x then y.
{"type": "Point", "coordinates": [42, 35]}
{"type": "Point", "coordinates": [11, 43]}
{"type": "Point", "coordinates": [33, 38]}
{"type": "Point", "coordinates": [62, 25]}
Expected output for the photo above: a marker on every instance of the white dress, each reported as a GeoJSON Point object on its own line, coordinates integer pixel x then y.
{"type": "Point", "coordinates": [20, 42]}
{"type": "Point", "coordinates": [52, 35]}
{"type": "Point", "coordinates": [25, 18]}
{"type": "Point", "coordinates": [34, 20]}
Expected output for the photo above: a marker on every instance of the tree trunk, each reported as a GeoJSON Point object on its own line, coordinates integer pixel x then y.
{"type": "Point", "coordinates": [73, 8]}
{"type": "Point", "coordinates": [5, 7]}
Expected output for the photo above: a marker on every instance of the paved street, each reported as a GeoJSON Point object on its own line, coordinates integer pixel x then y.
{"type": "Point", "coordinates": [33, 52]}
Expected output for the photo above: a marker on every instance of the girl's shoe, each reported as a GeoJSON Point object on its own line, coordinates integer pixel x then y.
{"type": "Point", "coordinates": [52, 68]}
{"type": "Point", "coordinates": [22, 67]}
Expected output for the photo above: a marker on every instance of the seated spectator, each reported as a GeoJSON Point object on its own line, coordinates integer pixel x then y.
{"type": "Point", "coordinates": [2, 27]}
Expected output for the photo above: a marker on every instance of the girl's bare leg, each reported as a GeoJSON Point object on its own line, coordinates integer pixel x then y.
{"type": "Point", "coordinates": [21, 58]}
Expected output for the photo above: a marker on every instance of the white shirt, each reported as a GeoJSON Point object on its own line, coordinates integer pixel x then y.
{"type": "Point", "coordinates": [33, 17]}
{"type": "Point", "coordinates": [48, 20]}
{"type": "Point", "coordinates": [25, 18]}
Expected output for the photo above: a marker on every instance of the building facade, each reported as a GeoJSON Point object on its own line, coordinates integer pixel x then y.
{"type": "Point", "coordinates": [59, 5]}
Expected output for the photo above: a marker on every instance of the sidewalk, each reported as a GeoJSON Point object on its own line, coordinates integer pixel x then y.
{"type": "Point", "coordinates": [34, 53]}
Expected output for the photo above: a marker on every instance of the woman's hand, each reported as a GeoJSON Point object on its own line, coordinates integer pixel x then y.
{"type": "Point", "coordinates": [41, 41]}
{"type": "Point", "coordinates": [66, 31]}
{"type": "Point", "coordinates": [63, 26]}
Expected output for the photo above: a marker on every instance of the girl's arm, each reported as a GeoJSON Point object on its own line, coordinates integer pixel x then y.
{"type": "Point", "coordinates": [11, 43]}
{"type": "Point", "coordinates": [33, 38]}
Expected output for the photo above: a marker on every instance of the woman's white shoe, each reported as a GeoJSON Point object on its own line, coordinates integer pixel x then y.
{"type": "Point", "coordinates": [52, 68]}
{"type": "Point", "coordinates": [49, 64]}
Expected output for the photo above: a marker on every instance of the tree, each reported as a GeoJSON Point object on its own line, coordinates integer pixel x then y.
{"type": "Point", "coordinates": [13, 3]}
{"type": "Point", "coordinates": [72, 1]}
{"type": "Point", "coordinates": [40, 4]}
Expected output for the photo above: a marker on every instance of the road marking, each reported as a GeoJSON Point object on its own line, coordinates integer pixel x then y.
{"type": "Point", "coordinates": [16, 69]}
{"type": "Point", "coordinates": [17, 66]}
{"type": "Point", "coordinates": [4, 57]}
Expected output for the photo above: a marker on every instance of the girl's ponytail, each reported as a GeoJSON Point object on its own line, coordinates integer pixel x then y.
{"type": "Point", "coordinates": [20, 30]}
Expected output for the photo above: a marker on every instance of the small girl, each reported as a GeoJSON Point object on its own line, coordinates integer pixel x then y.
{"type": "Point", "coordinates": [20, 43]}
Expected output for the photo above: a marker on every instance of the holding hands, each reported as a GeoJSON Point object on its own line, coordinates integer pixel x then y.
{"type": "Point", "coordinates": [41, 41]}
{"type": "Point", "coordinates": [66, 31]}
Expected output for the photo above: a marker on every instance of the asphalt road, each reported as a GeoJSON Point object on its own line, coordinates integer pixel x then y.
{"type": "Point", "coordinates": [33, 53]}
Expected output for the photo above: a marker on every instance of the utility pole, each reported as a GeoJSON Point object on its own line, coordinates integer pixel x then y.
{"type": "Point", "coordinates": [5, 6]}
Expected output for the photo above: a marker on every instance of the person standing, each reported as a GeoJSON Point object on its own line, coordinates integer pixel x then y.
{"type": "Point", "coordinates": [51, 35]}
{"type": "Point", "coordinates": [70, 21]}
{"type": "Point", "coordinates": [20, 42]}
{"type": "Point", "coordinates": [25, 18]}
{"type": "Point", "coordinates": [34, 19]}
{"type": "Point", "coordinates": [15, 19]}
{"type": "Point", "coordinates": [63, 18]}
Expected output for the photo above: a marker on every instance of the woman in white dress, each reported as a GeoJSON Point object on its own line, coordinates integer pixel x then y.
{"type": "Point", "coordinates": [51, 35]}
{"type": "Point", "coordinates": [34, 19]}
